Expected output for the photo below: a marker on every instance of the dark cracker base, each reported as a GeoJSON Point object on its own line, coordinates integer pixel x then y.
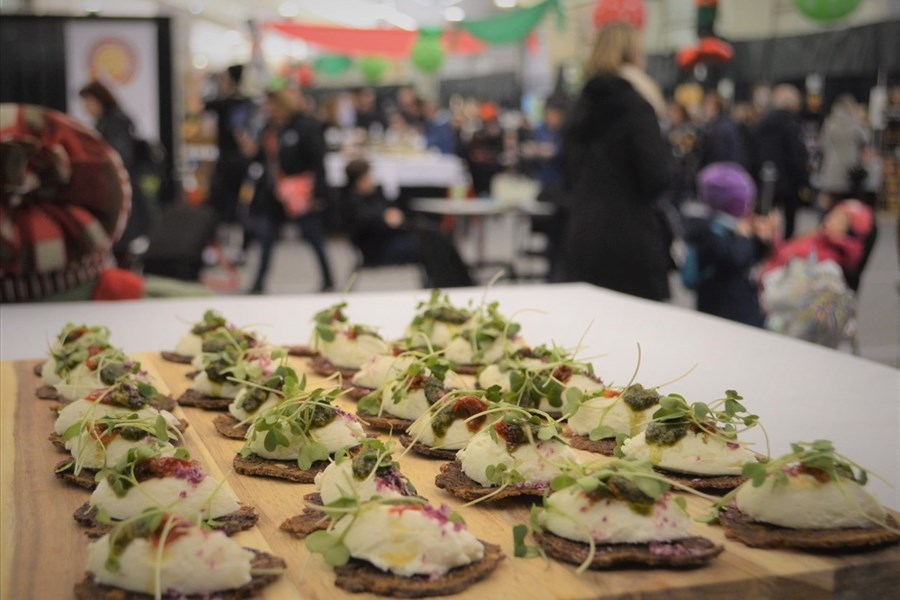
{"type": "Point", "coordinates": [47, 392]}
{"type": "Point", "coordinates": [324, 367]}
{"type": "Point", "coordinates": [688, 553]}
{"type": "Point", "coordinates": [739, 526]}
{"type": "Point", "coordinates": [384, 423]}
{"type": "Point", "coordinates": [84, 480]}
{"type": "Point", "coordinates": [301, 350]}
{"type": "Point", "coordinates": [715, 484]}
{"type": "Point", "coordinates": [604, 447]}
{"type": "Point", "coordinates": [174, 357]}
{"type": "Point", "coordinates": [357, 393]}
{"type": "Point", "coordinates": [466, 369]}
{"type": "Point", "coordinates": [427, 451]}
{"type": "Point", "coordinates": [57, 441]}
{"type": "Point", "coordinates": [89, 590]}
{"type": "Point", "coordinates": [454, 480]}
{"type": "Point", "coordinates": [280, 469]}
{"type": "Point", "coordinates": [361, 576]}
{"type": "Point", "coordinates": [38, 369]}
{"type": "Point", "coordinates": [309, 521]}
{"type": "Point", "coordinates": [230, 427]}
{"type": "Point", "coordinates": [197, 400]}
{"type": "Point", "coordinates": [240, 520]}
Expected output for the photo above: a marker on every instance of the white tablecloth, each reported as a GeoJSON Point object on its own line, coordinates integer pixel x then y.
{"type": "Point", "coordinates": [393, 171]}
{"type": "Point", "coordinates": [800, 391]}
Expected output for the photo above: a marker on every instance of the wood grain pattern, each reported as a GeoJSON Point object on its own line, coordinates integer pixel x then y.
{"type": "Point", "coordinates": [42, 550]}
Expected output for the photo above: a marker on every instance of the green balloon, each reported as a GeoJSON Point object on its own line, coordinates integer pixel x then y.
{"type": "Point", "coordinates": [373, 68]}
{"type": "Point", "coordinates": [278, 83]}
{"type": "Point", "coordinates": [332, 64]}
{"type": "Point", "coordinates": [826, 10]}
{"type": "Point", "coordinates": [428, 53]}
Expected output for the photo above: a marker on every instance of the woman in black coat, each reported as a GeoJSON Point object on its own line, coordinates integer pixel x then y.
{"type": "Point", "coordinates": [616, 165]}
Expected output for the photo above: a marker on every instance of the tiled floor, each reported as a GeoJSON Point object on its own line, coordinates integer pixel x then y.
{"type": "Point", "coordinates": [294, 271]}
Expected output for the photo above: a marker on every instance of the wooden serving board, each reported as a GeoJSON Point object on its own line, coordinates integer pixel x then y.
{"type": "Point", "coordinates": [42, 550]}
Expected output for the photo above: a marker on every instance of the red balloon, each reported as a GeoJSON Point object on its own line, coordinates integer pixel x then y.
{"type": "Point", "coordinates": [709, 50]}
{"type": "Point", "coordinates": [306, 76]}
{"type": "Point", "coordinates": [620, 11]}
{"type": "Point", "coordinates": [687, 57]}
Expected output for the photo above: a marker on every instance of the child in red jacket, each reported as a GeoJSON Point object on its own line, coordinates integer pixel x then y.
{"type": "Point", "coordinates": [839, 238]}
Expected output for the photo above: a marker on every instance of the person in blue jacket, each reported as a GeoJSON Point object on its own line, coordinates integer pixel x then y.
{"type": "Point", "coordinates": [726, 245]}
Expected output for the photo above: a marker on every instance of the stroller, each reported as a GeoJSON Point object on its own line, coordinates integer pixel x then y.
{"type": "Point", "coordinates": [809, 299]}
{"type": "Point", "coordinates": [804, 283]}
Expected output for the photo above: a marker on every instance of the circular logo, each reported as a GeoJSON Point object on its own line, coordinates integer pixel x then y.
{"type": "Point", "coordinates": [113, 59]}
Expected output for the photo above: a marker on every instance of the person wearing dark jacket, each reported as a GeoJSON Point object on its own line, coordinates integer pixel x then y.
{"type": "Point", "coordinates": [725, 246]}
{"type": "Point", "coordinates": [615, 166]}
{"type": "Point", "coordinates": [376, 225]}
{"type": "Point", "coordinates": [291, 144]}
{"type": "Point", "coordinates": [381, 232]}
{"type": "Point", "coordinates": [720, 139]}
{"type": "Point", "coordinates": [117, 129]}
{"type": "Point", "coordinates": [234, 113]}
{"type": "Point", "coordinates": [780, 140]}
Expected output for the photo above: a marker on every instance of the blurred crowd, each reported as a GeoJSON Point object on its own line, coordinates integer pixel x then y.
{"type": "Point", "coordinates": [641, 186]}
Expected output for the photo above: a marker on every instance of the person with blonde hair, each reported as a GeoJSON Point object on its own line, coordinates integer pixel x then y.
{"type": "Point", "coordinates": [615, 167]}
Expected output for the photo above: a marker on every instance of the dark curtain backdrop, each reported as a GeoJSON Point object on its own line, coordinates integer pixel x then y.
{"type": "Point", "coordinates": [503, 88]}
{"type": "Point", "coordinates": [848, 60]}
{"type": "Point", "coordinates": [33, 61]}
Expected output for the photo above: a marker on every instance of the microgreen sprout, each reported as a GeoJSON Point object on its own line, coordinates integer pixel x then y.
{"type": "Point", "coordinates": [75, 344]}
{"type": "Point", "coordinates": [437, 309]}
{"type": "Point", "coordinates": [818, 459]}
{"type": "Point", "coordinates": [427, 372]}
{"type": "Point", "coordinates": [297, 418]}
{"type": "Point", "coordinates": [154, 431]}
{"type": "Point", "coordinates": [234, 356]}
{"type": "Point", "coordinates": [724, 419]}
{"type": "Point", "coordinates": [541, 373]}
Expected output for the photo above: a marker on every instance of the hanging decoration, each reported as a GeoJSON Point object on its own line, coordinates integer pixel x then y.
{"type": "Point", "coordinates": [428, 54]}
{"type": "Point", "coordinates": [373, 68]}
{"type": "Point", "coordinates": [388, 43]}
{"type": "Point", "coordinates": [710, 49]}
{"type": "Point", "coordinates": [306, 76]}
{"type": "Point", "coordinates": [515, 26]}
{"type": "Point", "coordinates": [279, 83]}
{"type": "Point", "coordinates": [620, 11]}
{"type": "Point", "coordinates": [332, 65]}
{"type": "Point", "coordinates": [826, 10]}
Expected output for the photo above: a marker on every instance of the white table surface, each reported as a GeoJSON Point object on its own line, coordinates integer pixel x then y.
{"type": "Point", "coordinates": [393, 171]}
{"type": "Point", "coordinates": [801, 391]}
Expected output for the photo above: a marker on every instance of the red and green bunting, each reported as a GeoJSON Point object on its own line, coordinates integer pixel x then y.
{"type": "Point", "coordinates": [370, 49]}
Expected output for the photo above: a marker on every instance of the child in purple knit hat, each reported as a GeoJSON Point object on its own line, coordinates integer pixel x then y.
{"type": "Point", "coordinates": [725, 246]}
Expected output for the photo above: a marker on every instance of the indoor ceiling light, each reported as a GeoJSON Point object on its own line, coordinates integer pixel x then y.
{"type": "Point", "coordinates": [288, 9]}
{"type": "Point", "coordinates": [505, 3]}
{"type": "Point", "coordinates": [200, 62]}
{"type": "Point", "coordinates": [454, 14]}
{"type": "Point", "coordinates": [195, 8]}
